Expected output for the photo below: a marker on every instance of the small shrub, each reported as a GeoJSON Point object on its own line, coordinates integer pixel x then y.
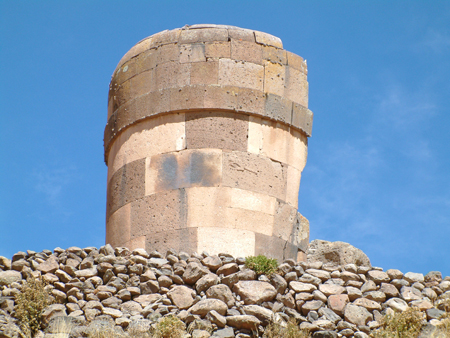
{"type": "Point", "coordinates": [30, 303]}
{"type": "Point", "coordinates": [169, 327]}
{"type": "Point", "coordinates": [443, 330]}
{"type": "Point", "coordinates": [262, 265]}
{"type": "Point", "coordinates": [291, 330]}
{"type": "Point", "coordinates": [139, 329]}
{"type": "Point", "coordinates": [103, 329]}
{"type": "Point", "coordinates": [406, 324]}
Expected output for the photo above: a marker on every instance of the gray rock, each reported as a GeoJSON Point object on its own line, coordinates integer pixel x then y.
{"type": "Point", "coordinates": [222, 292]}
{"type": "Point", "coordinates": [182, 296]}
{"type": "Point", "coordinates": [247, 322]}
{"type": "Point", "coordinates": [338, 253]}
{"type": "Point", "coordinates": [205, 282]}
{"type": "Point", "coordinates": [204, 306]}
{"type": "Point", "coordinates": [357, 315]}
{"type": "Point", "coordinates": [9, 276]}
{"type": "Point", "coordinates": [194, 271]}
{"type": "Point", "coordinates": [413, 277]}
{"type": "Point", "coordinates": [254, 292]}
{"type": "Point", "coordinates": [227, 332]}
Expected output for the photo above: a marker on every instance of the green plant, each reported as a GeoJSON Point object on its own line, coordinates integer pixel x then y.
{"type": "Point", "coordinates": [169, 327]}
{"type": "Point", "coordinates": [290, 330]}
{"type": "Point", "coordinates": [405, 324]}
{"type": "Point", "coordinates": [262, 265]}
{"type": "Point", "coordinates": [30, 303]}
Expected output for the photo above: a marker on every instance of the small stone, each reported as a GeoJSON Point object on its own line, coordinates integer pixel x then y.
{"type": "Point", "coordinates": [222, 292]}
{"type": "Point", "coordinates": [413, 277]}
{"type": "Point", "coordinates": [182, 296]}
{"type": "Point", "coordinates": [255, 292]}
{"type": "Point", "coordinates": [204, 306]}
{"type": "Point", "coordinates": [357, 315]}
{"type": "Point", "coordinates": [397, 304]}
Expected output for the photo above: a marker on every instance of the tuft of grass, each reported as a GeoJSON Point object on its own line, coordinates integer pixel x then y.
{"type": "Point", "coordinates": [30, 303]}
{"type": "Point", "coordinates": [61, 326]}
{"type": "Point", "coordinates": [406, 324]}
{"type": "Point", "coordinates": [290, 330]}
{"type": "Point", "coordinates": [169, 327]}
{"type": "Point", "coordinates": [139, 329]}
{"type": "Point", "coordinates": [262, 265]}
{"type": "Point", "coordinates": [103, 329]}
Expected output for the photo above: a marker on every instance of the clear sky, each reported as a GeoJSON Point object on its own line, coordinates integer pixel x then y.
{"type": "Point", "coordinates": [378, 170]}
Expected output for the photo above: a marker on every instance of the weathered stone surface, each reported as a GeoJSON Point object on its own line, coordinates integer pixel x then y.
{"type": "Point", "coordinates": [9, 276]}
{"type": "Point", "coordinates": [339, 253]}
{"type": "Point", "coordinates": [182, 297]}
{"type": "Point", "coordinates": [194, 272]}
{"type": "Point", "coordinates": [206, 305]}
{"type": "Point", "coordinates": [247, 322]}
{"type": "Point", "coordinates": [221, 292]}
{"type": "Point", "coordinates": [254, 292]}
{"type": "Point", "coordinates": [357, 315]}
{"type": "Point", "coordinates": [205, 282]}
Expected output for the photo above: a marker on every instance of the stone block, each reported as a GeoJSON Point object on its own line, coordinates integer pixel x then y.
{"type": "Point", "coordinates": [293, 185]}
{"type": "Point", "coordinates": [274, 76]}
{"type": "Point", "coordinates": [126, 185]}
{"type": "Point", "coordinates": [203, 35]}
{"type": "Point", "coordinates": [118, 226]}
{"type": "Point", "coordinates": [178, 240]}
{"type": "Point", "coordinates": [242, 35]}
{"type": "Point", "coordinates": [125, 115]}
{"type": "Point", "coordinates": [187, 98]}
{"type": "Point", "coordinates": [246, 51]}
{"type": "Point", "coordinates": [285, 217]}
{"type": "Point", "coordinates": [221, 97]}
{"type": "Point", "coordinates": [135, 243]}
{"type": "Point", "coordinates": [205, 73]}
{"type": "Point", "coordinates": [301, 228]}
{"type": "Point", "coordinates": [274, 55]}
{"type": "Point", "coordinates": [237, 242]}
{"type": "Point", "coordinates": [220, 130]}
{"type": "Point", "coordinates": [183, 169]}
{"type": "Point", "coordinates": [296, 62]}
{"type": "Point", "coordinates": [159, 135]}
{"type": "Point", "coordinates": [217, 50]}
{"type": "Point", "coordinates": [146, 60]}
{"type": "Point", "coordinates": [167, 53]}
{"type": "Point", "coordinates": [249, 100]}
{"type": "Point", "coordinates": [268, 40]}
{"type": "Point", "coordinates": [165, 37]}
{"type": "Point", "coordinates": [194, 52]}
{"type": "Point", "coordinates": [296, 86]}
{"type": "Point", "coordinates": [172, 74]}
{"type": "Point", "coordinates": [120, 94]}
{"type": "Point", "coordinates": [302, 118]}
{"type": "Point", "coordinates": [153, 103]}
{"type": "Point", "coordinates": [164, 211]}
{"type": "Point", "coordinates": [142, 83]}
{"type": "Point", "coordinates": [137, 49]}
{"type": "Point", "coordinates": [125, 72]}
{"type": "Point", "coordinates": [247, 171]}
{"type": "Point", "coordinates": [241, 74]}
{"type": "Point", "coordinates": [278, 108]}
{"type": "Point", "coordinates": [250, 200]}
{"type": "Point", "coordinates": [274, 247]}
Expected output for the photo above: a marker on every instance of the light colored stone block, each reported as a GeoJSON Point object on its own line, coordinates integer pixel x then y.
{"type": "Point", "coordinates": [296, 86]}
{"type": "Point", "coordinates": [194, 52]}
{"type": "Point", "coordinates": [178, 240]}
{"type": "Point", "coordinates": [246, 51]}
{"type": "Point", "coordinates": [137, 49]}
{"type": "Point", "coordinates": [187, 168]}
{"type": "Point", "coordinates": [167, 53]}
{"type": "Point", "coordinates": [135, 243]}
{"type": "Point", "coordinates": [203, 35]}
{"type": "Point", "coordinates": [250, 200]}
{"type": "Point", "coordinates": [205, 72]}
{"type": "Point", "coordinates": [274, 76]}
{"type": "Point", "coordinates": [237, 242]}
{"type": "Point", "coordinates": [241, 74]}
{"type": "Point", "coordinates": [142, 83]}
{"type": "Point", "coordinates": [146, 61]}
{"type": "Point", "coordinates": [274, 55]}
{"type": "Point", "coordinates": [118, 226]}
{"type": "Point", "coordinates": [242, 35]}
{"type": "Point", "coordinates": [292, 188]}
{"type": "Point", "coordinates": [268, 39]}
{"type": "Point", "coordinates": [221, 97]}
{"type": "Point", "coordinates": [185, 98]}
{"type": "Point", "coordinates": [165, 37]}
{"type": "Point", "coordinates": [247, 171]}
{"type": "Point", "coordinates": [217, 50]}
{"type": "Point", "coordinates": [150, 137]}
{"type": "Point", "coordinates": [302, 118]}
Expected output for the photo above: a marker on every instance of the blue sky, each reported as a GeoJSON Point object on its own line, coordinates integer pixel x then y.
{"type": "Point", "coordinates": [378, 171]}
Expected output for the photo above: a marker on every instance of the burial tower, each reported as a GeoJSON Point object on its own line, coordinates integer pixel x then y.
{"type": "Point", "coordinates": [205, 144]}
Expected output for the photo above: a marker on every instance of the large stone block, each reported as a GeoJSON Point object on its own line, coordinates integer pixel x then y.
{"type": "Point", "coordinates": [126, 185]}
{"type": "Point", "coordinates": [222, 130]}
{"type": "Point", "coordinates": [237, 242]}
{"type": "Point", "coordinates": [205, 73]}
{"type": "Point", "coordinates": [246, 51]}
{"type": "Point", "coordinates": [274, 247]}
{"type": "Point", "coordinates": [179, 240]}
{"type": "Point", "coordinates": [150, 137]}
{"type": "Point", "coordinates": [172, 74]}
{"type": "Point", "coordinates": [118, 226]}
{"type": "Point", "coordinates": [274, 78]}
{"type": "Point", "coordinates": [296, 86]}
{"type": "Point", "coordinates": [188, 168]}
{"type": "Point", "coordinates": [194, 52]}
{"type": "Point", "coordinates": [241, 74]}
{"type": "Point", "coordinates": [256, 173]}
{"type": "Point", "coordinates": [160, 212]}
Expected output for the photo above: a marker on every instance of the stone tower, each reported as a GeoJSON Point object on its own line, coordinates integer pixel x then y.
{"type": "Point", "coordinates": [205, 144]}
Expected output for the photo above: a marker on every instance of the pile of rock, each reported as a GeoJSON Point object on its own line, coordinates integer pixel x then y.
{"type": "Point", "coordinates": [127, 286]}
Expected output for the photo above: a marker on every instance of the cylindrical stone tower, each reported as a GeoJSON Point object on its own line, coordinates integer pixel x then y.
{"type": "Point", "coordinates": [205, 144]}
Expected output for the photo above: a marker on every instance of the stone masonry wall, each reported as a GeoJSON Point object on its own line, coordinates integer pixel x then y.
{"type": "Point", "coordinates": [125, 286]}
{"type": "Point", "coordinates": [205, 144]}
